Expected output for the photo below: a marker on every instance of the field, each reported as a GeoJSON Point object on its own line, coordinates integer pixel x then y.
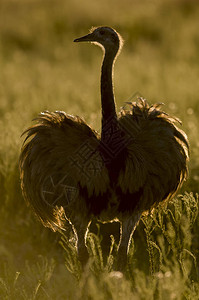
{"type": "Point", "coordinates": [42, 69]}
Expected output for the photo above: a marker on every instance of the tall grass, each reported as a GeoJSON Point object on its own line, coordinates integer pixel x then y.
{"type": "Point", "coordinates": [40, 68]}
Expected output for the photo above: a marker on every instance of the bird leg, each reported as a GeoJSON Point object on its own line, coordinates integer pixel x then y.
{"type": "Point", "coordinates": [127, 228]}
{"type": "Point", "coordinates": [81, 231]}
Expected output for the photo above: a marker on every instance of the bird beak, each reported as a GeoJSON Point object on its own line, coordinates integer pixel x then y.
{"type": "Point", "coordinates": [85, 38]}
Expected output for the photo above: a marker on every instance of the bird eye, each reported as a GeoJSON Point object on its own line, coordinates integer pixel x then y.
{"type": "Point", "coordinates": [102, 32]}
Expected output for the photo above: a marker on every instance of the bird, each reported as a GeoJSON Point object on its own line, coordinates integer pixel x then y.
{"type": "Point", "coordinates": [72, 173]}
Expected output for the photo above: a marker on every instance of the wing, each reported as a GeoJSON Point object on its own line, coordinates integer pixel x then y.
{"type": "Point", "coordinates": [59, 162]}
{"type": "Point", "coordinates": [157, 155]}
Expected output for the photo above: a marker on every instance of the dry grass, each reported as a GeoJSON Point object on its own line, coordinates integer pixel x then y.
{"type": "Point", "coordinates": [42, 69]}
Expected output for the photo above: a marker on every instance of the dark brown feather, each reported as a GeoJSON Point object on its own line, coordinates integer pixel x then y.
{"type": "Point", "coordinates": [157, 157]}
{"type": "Point", "coordinates": [60, 151]}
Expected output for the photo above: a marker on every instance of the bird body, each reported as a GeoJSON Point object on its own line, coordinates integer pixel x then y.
{"type": "Point", "coordinates": [67, 168]}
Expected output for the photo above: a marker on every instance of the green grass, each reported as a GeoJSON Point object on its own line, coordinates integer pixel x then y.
{"type": "Point", "coordinates": [41, 68]}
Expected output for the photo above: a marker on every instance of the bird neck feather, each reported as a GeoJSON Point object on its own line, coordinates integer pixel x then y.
{"type": "Point", "coordinates": [107, 94]}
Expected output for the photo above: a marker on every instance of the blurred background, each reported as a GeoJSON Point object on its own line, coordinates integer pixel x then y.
{"type": "Point", "coordinates": [42, 69]}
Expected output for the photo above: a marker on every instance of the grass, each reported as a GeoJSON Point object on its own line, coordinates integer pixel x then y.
{"type": "Point", "coordinates": [42, 69]}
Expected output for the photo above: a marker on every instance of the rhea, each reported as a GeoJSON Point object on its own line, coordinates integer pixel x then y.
{"type": "Point", "coordinates": [70, 172]}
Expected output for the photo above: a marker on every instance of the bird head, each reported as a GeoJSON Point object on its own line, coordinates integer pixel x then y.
{"type": "Point", "coordinates": [105, 37]}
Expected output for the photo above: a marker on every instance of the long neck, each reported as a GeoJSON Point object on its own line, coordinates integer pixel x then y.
{"type": "Point", "coordinates": [113, 142]}
{"type": "Point", "coordinates": [107, 95]}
